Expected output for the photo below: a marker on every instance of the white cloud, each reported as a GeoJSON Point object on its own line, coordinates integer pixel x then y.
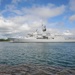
{"type": "Point", "coordinates": [32, 20]}
{"type": "Point", "coordinates": [45, 11]}
{"type": "Point", "coordinates": [18, 25]}
{"type": "Point", "coordinates": [72, 5]}
{"type": "Point", "coordinates": [24, 27]}
{"type": "Point", "coordinates": [67, 32]}
{"type": "Point", "coordinates": [72, 9]}
{"type": "Point", "coordinates": [5, 23]}
{"type": "Point", "coordinates": [72, 18]}
{"type": "Point", "coordinates": [8, 26]}
{"type": "Point", "coordinates": [14, 27]}
{"type": "Point", "coordinates": [28, 19]}
{"type": "Point", "coordinates": [16, 1]}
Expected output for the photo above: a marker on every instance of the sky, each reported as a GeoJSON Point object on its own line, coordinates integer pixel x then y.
{"type": "Point", "coordinates": [19, 17]}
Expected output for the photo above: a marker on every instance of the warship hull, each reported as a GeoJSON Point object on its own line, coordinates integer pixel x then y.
{"type": "Point", "coordinates": [16, 40]}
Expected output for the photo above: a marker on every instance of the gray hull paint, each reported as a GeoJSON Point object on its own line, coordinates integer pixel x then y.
{"type": "Point", "coordinates": [40, 40]}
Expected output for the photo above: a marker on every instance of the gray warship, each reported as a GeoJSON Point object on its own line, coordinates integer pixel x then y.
{"type": "Point", "coordinates": [43, 37]}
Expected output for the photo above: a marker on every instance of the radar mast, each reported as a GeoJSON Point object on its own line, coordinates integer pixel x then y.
{"type": "Point", "coordinates": [43, 28]}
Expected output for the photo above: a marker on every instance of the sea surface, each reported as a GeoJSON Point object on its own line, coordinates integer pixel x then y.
{"type": "Point", "coordinates": [54, 54]}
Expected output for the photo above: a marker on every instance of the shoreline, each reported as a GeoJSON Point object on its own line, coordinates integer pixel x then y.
{"type": "Point", "coordinates": [30, 69]}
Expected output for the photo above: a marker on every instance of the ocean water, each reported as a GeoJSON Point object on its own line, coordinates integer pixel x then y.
{"type": "Point", "coordinates": [54, 54]}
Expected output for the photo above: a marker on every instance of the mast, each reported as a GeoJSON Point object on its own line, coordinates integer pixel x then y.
{"type": "Point", "coordinates": [44, 32]}
{"type": "Point", "coordinates": [43, 28]}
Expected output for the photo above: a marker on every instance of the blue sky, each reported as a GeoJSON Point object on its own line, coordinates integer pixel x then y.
{"type": "Point", "coordinates": [20, 16]}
